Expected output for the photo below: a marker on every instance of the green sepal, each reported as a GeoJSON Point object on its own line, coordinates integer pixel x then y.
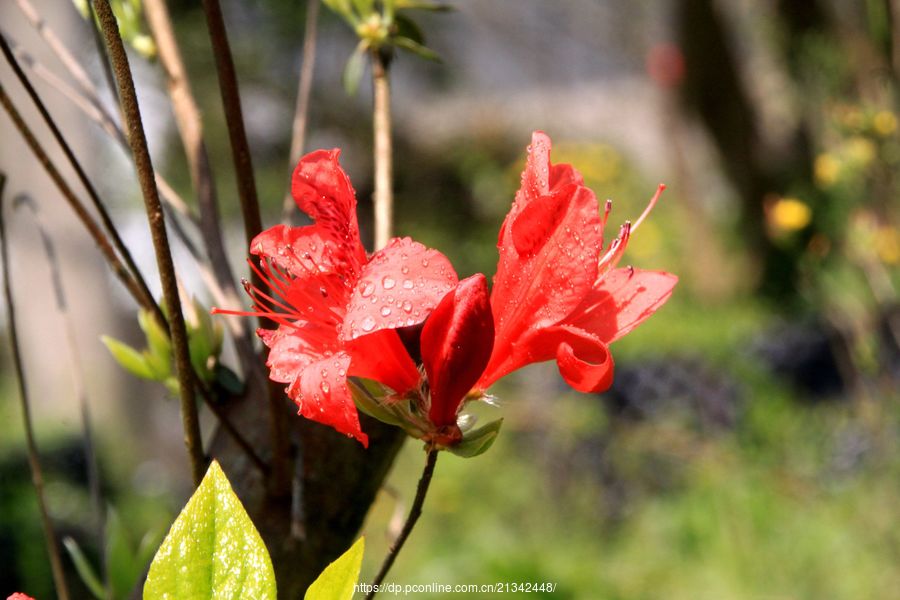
{"type": "Point", "coordinates": [477, 441]}
{"type": "Point", "coordinates": [338, 580]}
{"type": "Point", "coordinates": [212, 550]}
{"type": "Point", "coordinates": [368, 404]}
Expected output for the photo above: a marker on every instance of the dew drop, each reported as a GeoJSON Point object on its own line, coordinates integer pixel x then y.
{"type": "Point", "coordinates": [424, 262]}
{"type": "Point", "coordinates": [388, 283]}
{"type": "Point", "coordinates": [325, 387]}
{"type": "Point", "coordinates": [404, 269]}
{"type": "Point", "coordinates": [368, 324]}
{"type": "Point", "coordinates": [385, 311]}
{"type": "Point", "coordinates": [407, 306]}
{"type": "Point", "coordinates": [366, 289]}
{"type": "Point", "coordinates": [407, 284]}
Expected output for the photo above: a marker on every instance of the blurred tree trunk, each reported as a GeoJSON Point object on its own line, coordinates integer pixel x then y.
{"type": "Point", "coordinates": [715, 92]}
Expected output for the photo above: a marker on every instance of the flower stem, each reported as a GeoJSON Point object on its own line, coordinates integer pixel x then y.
{"type": "Point", "coordinates": [37, 476]}
{"type": "Point", "coordinates": [414, 513]}
{"type": "Point", "coordinates": [177, 329]}
{"type": "Point", "coordinates": [381, 122]}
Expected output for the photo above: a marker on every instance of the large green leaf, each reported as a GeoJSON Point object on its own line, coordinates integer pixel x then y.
{"type": "Point", "coordinates": [212, 550]}
{"type": "Point", "coordinates": [338, 580]}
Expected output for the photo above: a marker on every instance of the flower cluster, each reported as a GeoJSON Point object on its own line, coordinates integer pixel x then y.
{"type": "Point", "coordinates": [398, 335]}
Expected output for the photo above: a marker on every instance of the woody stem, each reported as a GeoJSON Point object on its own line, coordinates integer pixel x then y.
{"type": "Point", "coordinates": [381, 121]}
{"type": "Point", "coordinates": [414, 513]}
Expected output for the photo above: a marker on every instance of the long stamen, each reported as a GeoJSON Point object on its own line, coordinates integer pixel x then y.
{"type": "Point", "coordinates": [653, 201]}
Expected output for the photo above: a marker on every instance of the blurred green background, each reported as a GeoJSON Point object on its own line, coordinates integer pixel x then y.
{"type": "Point", "coordinates": [749, 446]}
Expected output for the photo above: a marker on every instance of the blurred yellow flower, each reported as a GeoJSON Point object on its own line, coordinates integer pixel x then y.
{"type": "Point", "coordinates": [827, 168]}
{"type": "Point", "coordinates": [860, 150]}
{"type": "Point", "coordinates": [790, 214]}
{"type": "Point", "coordinates": [884, 123]}
{"type": "Point", "coordinates": [887, 245]}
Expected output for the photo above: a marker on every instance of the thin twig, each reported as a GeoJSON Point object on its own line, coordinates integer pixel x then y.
{"type": "Point", "coordinates": [37, 475]}
{"type": "Point", "coordinates": [415, 512]}
{"type": "Point", "coordinates": [105, 219]}
{"type": "Point", "coordinates": [79, 389]}
{"type": "Point", "coordinates": [112, 259]}
{"type": "Point", "coordinates": [108, 75]}
{"type": "Point", "coordinates": [81, 212]}
{"type": "Point", "coordinates": [243, 167]}
{"type": "Point", "coordinates": [301, 113]}
{"type": "Point", "coordinates": [136, 136]}
{"type": "Point", "coordinates": [190, 128]}
{"type": "Point", "coordinates": [381, 123]}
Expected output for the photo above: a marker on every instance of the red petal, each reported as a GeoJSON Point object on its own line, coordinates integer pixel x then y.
{"type": "Point", "coordinates": [321, 392]}
{"type": "Point", "coordinates": [292, 349]}
{"type": "Point", "coordinates": [19, 596]}
{"type": "Point", "coordinates": [456, 344]}
{"type": "Point", "coordinates": [622, 301]}
{"type": "Point", "coordinates": [399, 287]}
{"type": "Point", "coordinates": [382, 357]}
{"type": "Point", "coordinates": [549, 246]}
{"type": "Point", "coordinates": [584, 362]}
{"type": "Point", "coordinates": [308, 251]}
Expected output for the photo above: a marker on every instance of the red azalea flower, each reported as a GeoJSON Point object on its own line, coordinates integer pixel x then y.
{"type": "Point", "coordinates": [336, 309]}
{"type": "Point", "coordinates": [19, 596]}
{"type": "Point", "coordinates": [557, 292]}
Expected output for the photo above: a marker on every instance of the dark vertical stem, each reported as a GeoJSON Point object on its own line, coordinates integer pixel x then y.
{"type": "Point", "coordinates": [301, 112]}
{"type": "Point", "coordinates": [381, 124]}
{"type": "Point", "coordinates": [415, 512]}
{"type": "Point", "coordinates": [137, 139]}
{"type": "Point", "coordinates": [243, 167]}
{"type": "Point", "coordinates": [108, 224]}
{"type": "Point", "coordinates": [37, 476]}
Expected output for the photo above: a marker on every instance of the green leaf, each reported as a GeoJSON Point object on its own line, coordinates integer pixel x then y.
{"type": "Point", "coordinates": [84, 568]}
{"type": "Point", "coordinates": [353, 70]}
{"type": "Point", "coordinates": [408, 28]}
{"type": "Point", "coordinates": [212, 550]}
{"type": "Point", "coordinates": [342, 8]}
{"type": "Point", "coordinates": [477, 441]}
{"type": "Point", "coordinates": [121, 567]}
{"type": "Point", "coordinates": [368, 404]}
{"type": "Point", "coordinates": [364, 7]}
{"type": "Point", "coordinates": [421, 5]}
{"type": "Point", "coordinates": [130, 359]}
{"type": "Point", "coordinates": [157, 339]}
{"type": "Point", "coordinates": [339, 578]}
{"type": "Point", "coordinates": [417, 49]}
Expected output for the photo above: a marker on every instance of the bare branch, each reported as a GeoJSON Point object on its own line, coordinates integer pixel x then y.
{"type": "Point", "coordinates": [301, 113]}
{"type": "Point", "coordinates": [136, 136]}
{"type": "Point", "coordinates": [243, 167]}
{"type": "Point", "coordinates": [37, 475]}
{"type": "Point", "coordinates": [381, 122]}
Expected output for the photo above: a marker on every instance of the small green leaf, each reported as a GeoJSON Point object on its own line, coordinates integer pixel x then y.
{"type": "Point", "coordinates": [477, 441]}
{"type": "Point", "coordinates": [417, 49]}
{"type": "Point", "coordinates": [421, 5]}
{"type": "Point", "coordinates": [342, 8]}
{"type": "Point", "coordinates": [408, 28]}
{"type": "Point", "coordinates": [353, 70]}
{"type": "Point", "coordinates": [212, 550]}
{"type": "Point", "coordinates": [157, 339]}
{"type": "Point", "coordinates": [364, 7]}
{"type": "Point", "coordinates": [84, 568]}
{"type": "Point", "coordinates": [369, 405]}
{"type": "Point", "coordinates": [130, 359]}
{"type": "Point", "coordinates": [339, 578]}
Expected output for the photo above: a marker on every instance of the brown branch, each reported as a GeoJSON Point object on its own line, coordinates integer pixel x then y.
{"type": "Point", "coordinates": [414, 513]}
{"type": "Point", "coordinates": [381, 123]}
{"type": "Point", "coordinates": [105, 219]}
{"type": "Point", "coordinates": [243, 167]}
{"type": "Point", "coordinates": [136, 136]}
{"type": "Point", "coordinates": [81, 212]}
{"type": "Point", "coordinates": [301, 113]}
{"type": "Point", "coordinates": [190, 128]}
{"type": "Point", "coordinates": [37, 476]}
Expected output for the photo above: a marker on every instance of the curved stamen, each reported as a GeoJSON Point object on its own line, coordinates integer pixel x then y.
{"type": "Point", "coordinates": [653, 201]}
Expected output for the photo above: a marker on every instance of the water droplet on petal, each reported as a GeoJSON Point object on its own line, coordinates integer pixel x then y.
{"type": "Point", "coordinates": [407, 284]}
{"type": "Point", "coordinates": [407, 306]}
{"type": "Point", "coordinates": [424, 262]}
{"type": "Point", "coordinates": [385, 311]}
{"type": "Point", "coordinates": [368, 324]}
{"type": "Point", "coordinates": [388, 283]}
{"type": "Point", "coordinates": [325, 387]}
{"type": "Point", "coordinates": [366, 289]}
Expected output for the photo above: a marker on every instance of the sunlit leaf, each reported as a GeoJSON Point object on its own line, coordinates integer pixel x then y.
{"type": "Point", "coordinates": [212, 550]}
{"type": "Point", "coordinates": [339, 578]}
{"type": "Point", "coordinates": [85, 570]}
{"type": "Point", "coordinates": [130, 359]}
